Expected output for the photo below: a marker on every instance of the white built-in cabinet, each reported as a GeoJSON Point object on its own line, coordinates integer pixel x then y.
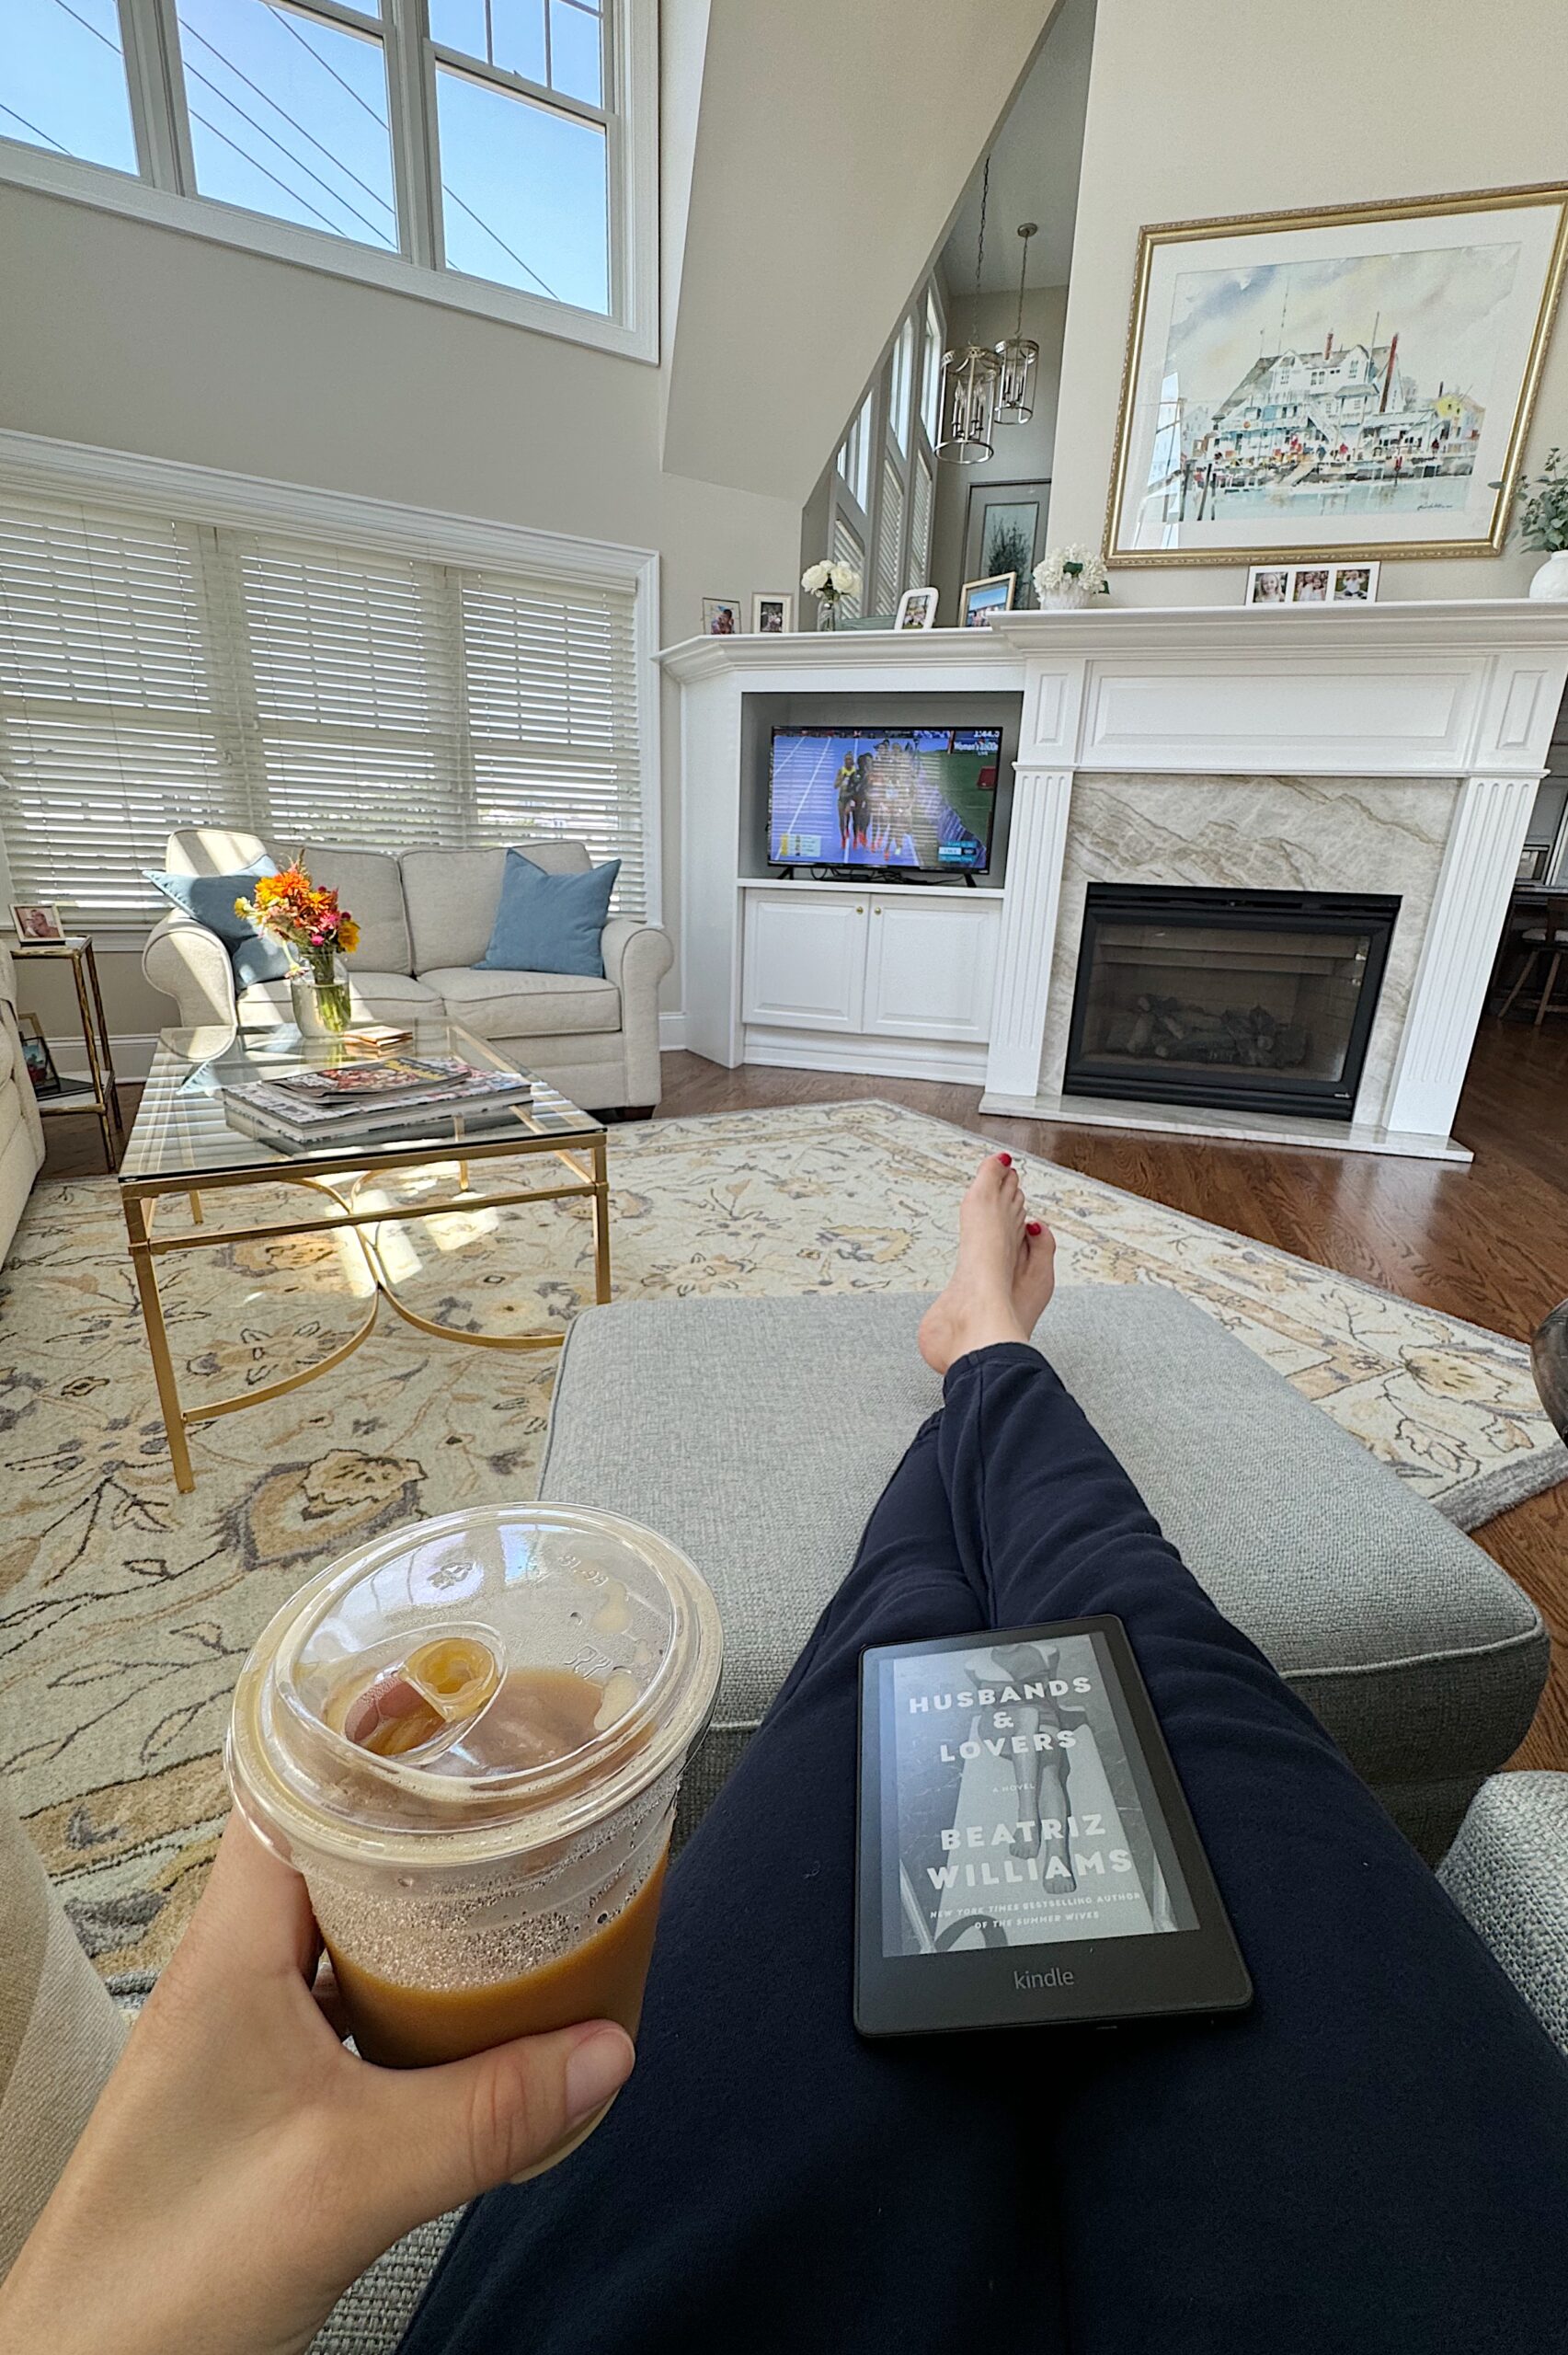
{"type": "Point", "coordinates": [908, 963]}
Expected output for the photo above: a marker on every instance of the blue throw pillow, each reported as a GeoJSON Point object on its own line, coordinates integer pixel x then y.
{"type": "Point", "coordinates": [211, 899]}
{"type": "Point", "coordinates": [550, 923]}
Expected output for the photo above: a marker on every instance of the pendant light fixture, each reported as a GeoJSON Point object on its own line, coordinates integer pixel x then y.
{"type": "Point", "coordinates": [970, 373]}
{"type": "Point", "coordinates": [1018, 354]}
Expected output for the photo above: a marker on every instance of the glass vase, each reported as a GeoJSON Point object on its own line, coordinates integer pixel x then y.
{"type": "Point", "coordinates": [828, 613]}
{"type": "Point", "coordinates": [321, 1006]}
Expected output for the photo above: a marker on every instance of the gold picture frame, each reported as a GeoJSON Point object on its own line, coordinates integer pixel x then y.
{"type": "Point", "coordinates": [975, 611]}
{"type": "Point", "coordinates": [1496, 431]}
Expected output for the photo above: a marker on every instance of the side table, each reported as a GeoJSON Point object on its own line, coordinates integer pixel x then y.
{"type": "Point", "coordinates": [100, 1092]}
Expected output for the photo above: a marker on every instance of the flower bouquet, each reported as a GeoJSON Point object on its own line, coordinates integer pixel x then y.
{"type": "Point", "coordinates": [830, 584]}
{"type": "Point", "coordinates": [1065, 578]}
{"type": "Point", "coordinates": [317, 935]}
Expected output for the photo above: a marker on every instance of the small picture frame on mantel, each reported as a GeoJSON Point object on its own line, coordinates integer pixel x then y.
{"type": "Point", "coordinates": [1313, 584]}
{"type": "Point", "coordinates": [773, 612]}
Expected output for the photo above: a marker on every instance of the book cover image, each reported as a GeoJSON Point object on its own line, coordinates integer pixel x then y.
{"type": "Point", "coordinates": [1011, 1810]}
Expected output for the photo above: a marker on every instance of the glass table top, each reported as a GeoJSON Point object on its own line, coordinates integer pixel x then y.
{"type": "Point", "coordinates": [183, 1131]}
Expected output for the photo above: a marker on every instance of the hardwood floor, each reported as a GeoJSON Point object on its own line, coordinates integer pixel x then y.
{"type": "Point", "coordinates": [1489, 1242]}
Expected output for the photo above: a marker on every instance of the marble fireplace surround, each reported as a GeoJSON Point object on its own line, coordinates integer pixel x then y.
{"type": "Point", "coordinates": [1392, 748]}
{"type": "Point", "coordinates": [1266, 833]}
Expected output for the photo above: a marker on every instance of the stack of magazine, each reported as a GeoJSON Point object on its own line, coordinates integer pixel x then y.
{"type": "Point", "coordinates": [395, 1097]}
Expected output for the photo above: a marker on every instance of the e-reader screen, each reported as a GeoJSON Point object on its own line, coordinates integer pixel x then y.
{"type": "Point", "coordinates": [1026, 1849]}
{"type": "Point", "coordinates": [1018, 1818]}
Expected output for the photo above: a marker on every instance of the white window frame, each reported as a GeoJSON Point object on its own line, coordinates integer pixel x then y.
{"type": "Point", "coordinates": [631, 116]}
{"type": "Point", "coordinates": [77, 470]}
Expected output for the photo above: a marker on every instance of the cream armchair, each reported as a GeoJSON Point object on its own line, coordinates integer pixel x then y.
{"type": "Point", "coordinates": [425, 918]}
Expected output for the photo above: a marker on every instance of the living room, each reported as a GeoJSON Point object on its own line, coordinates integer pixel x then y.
{"type": "Point", "coordinates": [658, 665]}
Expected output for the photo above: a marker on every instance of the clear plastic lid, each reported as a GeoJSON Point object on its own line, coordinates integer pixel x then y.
{"type": "Point", "coordinates": [484, 1685]}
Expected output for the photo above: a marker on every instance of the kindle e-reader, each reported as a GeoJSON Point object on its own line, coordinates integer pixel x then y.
{"type": "Point", "coordinates": [1025, 1853]}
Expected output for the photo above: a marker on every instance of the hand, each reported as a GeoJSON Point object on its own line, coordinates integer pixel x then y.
{"type": "Point", "coordinates": [242, 2169]}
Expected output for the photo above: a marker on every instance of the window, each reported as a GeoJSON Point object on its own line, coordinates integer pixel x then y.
{"type": "Point", "coordinates": [881, 495]}
{"type": "Point", "coordinates": [496, 154]}
{"type": "Point", "coordinates": [854, 458]}
{"type": "Point", "coordinates": [930, 370]}
{"type": "Point", "coordinates": [899, 389]}
{"type": "Point", "coordinates": [159, 671]}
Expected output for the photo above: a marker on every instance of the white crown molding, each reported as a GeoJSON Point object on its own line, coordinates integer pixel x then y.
{"type": "Point", "coordinates": [211, 494]}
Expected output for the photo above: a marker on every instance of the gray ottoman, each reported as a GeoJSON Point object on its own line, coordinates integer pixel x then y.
{"type": "Point", "coordinates": [758, 1433]}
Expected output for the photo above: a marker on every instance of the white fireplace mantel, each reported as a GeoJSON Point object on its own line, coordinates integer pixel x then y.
{"type": "Point", "coordinates": [1464, 691]}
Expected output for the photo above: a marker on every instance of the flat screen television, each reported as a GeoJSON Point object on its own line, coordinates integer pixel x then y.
{"type": "Point", "coordinates": [922, 799]}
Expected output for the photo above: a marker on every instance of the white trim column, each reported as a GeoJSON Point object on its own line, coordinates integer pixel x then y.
{"type": "Point", "coordinates": [1036, 848]}
{"type": "Point", "coordinates": [1480, 863]}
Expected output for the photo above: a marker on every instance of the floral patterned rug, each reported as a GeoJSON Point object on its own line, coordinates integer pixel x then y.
{"type": "Point", "coordinates": [126, 1609]}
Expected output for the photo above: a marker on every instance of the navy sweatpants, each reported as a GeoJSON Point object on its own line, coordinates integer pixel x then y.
{"type": "Point", "coordinates": [1375, 2157]}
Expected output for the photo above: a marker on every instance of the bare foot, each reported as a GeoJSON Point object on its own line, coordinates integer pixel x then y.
{"type": "Point", "coordinates": [1002, 1278]}
{"type": "Point", "coordinates": [1035, 1276]}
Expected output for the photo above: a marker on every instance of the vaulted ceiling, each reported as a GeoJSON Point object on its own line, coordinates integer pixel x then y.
{"type": "Point", "coordinates": [815, 156]}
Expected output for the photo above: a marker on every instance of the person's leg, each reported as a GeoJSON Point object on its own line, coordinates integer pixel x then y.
{"type": "Point", "coordinates": [1375, 2156]}
{"type": "Point", "coordinates": [766, 2181]}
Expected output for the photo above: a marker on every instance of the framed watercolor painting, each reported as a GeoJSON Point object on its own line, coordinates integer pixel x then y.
{"type": "Point", "coordinates": [1355, 382]}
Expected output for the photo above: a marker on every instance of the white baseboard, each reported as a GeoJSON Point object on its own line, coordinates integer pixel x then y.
{"type": "Point", "coordinates": [131, 1050]}
{"type": "Point", "coordinates": [881, 1058]}
{"type": "Point", "coordinates": [671, 1032]}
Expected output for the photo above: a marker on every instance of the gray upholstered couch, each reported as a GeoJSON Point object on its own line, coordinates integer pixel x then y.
{"type": "Point", "coordinates": [425, 918]}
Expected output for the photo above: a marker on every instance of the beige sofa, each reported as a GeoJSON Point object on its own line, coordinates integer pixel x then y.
{"type": "Point", "coordinates": [425, 918]}
{"type": "Point", "coordinates": [21, 1130]}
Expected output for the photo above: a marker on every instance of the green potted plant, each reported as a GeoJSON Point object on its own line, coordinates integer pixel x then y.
{"type": "Point", "coordinates": [1543, 524]}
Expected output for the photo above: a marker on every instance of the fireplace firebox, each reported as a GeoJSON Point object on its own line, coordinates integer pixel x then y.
{"type": "Point", "coordinates": [1254, 1001]}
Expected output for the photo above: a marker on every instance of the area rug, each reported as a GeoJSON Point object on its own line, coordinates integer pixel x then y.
{"type": "Point", "coordinates": [126, 1609]}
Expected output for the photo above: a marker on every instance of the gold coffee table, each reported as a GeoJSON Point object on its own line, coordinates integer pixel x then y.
{"type": "Point", "coordinates": [181, 1143]}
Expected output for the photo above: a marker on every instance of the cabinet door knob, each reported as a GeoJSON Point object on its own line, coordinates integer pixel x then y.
{"type": "Point", "coordinates": [860, 911]}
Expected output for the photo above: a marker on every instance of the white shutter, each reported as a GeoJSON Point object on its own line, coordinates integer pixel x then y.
{"type": "Point", "coordinates": [847, 550]}
{"type": "Point", "coordinates": [889, 534]}
{"type": "Point", "coordinates": [919, 527]}
{"type": "Point", "coordinates": [157, 673]}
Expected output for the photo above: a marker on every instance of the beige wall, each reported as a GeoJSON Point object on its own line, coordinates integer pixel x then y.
{"type": "Point", "coordinates": [1198, 108]}
{"type": "Point", "coordinates": [143, 338]}
{"type": "Point", "coordinates": [1023, 452]}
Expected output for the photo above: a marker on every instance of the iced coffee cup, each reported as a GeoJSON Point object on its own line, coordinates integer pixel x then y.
{"type": "Point", "coordinates": [469, 1739]}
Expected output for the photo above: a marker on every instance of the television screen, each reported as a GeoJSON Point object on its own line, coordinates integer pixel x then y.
{"type": "Point", "coordinates": [919, 798]}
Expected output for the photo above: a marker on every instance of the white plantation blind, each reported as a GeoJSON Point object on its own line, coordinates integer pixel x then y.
{"type": "Point", "coordinates": [157, 672]}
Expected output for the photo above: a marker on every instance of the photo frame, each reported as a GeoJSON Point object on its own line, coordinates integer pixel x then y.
{"type": "Point", "coordinates": [36, 921]}
{"type": "Point", "coordinates": [1353, 381]}
{"type": "Point", "coordinates": [917, 610]}
{"type": "Point", "coordinates": [773, 612]}
{"type": "Point", "coordinates": [35, 1054]}
{"type": "Point", "coordinates": [1313, 584]}
{"type": "Point", "coordinates": [1004, 531]}
{"type": "Point", "coordinates": [1534, 859]}
{"type": "Point", "coordinates": [721, 617]}
{"type": "Point", "coordinates": [979, 599]}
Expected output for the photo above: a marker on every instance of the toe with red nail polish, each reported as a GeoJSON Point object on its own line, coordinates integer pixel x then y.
{"type": "Point", "coordinates": [1005, 1159]}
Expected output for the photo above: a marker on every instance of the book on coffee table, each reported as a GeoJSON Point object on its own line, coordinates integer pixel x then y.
{"type": "Point", "coordinates": [402, 1096]}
